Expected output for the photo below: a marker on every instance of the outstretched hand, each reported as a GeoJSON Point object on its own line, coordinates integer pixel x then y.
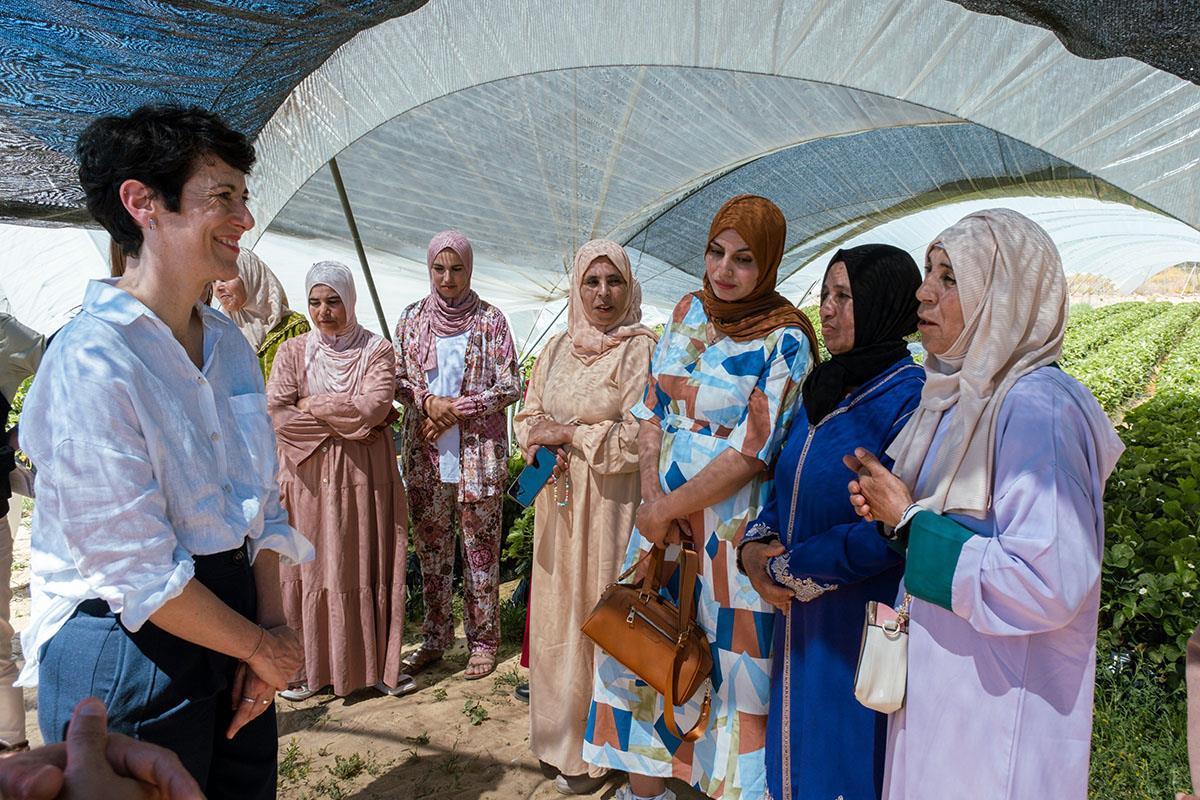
{"type": "Point", "coordinates": [876, 494]}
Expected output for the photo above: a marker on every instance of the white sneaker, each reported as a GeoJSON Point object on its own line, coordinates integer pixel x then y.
{"type": "Point", "coordinates": [625, 793]}
{"type": "Point", "coordinates": [301, 692]}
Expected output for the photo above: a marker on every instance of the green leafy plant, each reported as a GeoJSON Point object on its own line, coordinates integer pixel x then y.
{"type": "Point", "coordinates": [1118, 371]}
{"type": "Point", "coordinates": [1152, 513]}
{"type": "Point", "coordinates": [294, 764]}
{"type": "Point", "coordinates": [347, 767]}
{"type": "Point", "coordinates": [475, 711]}
{"type": "Point", "coordinates": [1139, 749]}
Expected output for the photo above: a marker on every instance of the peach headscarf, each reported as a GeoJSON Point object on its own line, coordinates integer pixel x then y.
{"type": "Point", "coordinates": [266, 302]}
{"type": "Point", "coordinates": [762, 225]}
{"type": "Point", "coordinates": [437, 317]}
{"type": "Point", "coordinates": [589, 342]}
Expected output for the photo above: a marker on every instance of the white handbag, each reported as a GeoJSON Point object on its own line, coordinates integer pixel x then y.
{"type": "Point", "coordinates": [882, 675]}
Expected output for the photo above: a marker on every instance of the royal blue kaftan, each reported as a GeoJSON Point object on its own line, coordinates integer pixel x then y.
{"type": "Point", "coordinates": [821, 743]}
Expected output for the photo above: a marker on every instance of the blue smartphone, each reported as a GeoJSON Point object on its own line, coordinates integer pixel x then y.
{"type": "Point", "coordinates": [531, 480]}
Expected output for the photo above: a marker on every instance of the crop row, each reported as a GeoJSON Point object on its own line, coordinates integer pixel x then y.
{"type": "Point", "coordinates": [1094, 331]}
{"type": "Point", "coordinates": [1152, 515]}
{"type": "Point", "coordinates": [1119, 371]}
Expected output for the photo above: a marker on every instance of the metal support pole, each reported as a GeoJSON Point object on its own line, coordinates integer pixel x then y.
{"type": "Point", "coordinates": [358, 245]}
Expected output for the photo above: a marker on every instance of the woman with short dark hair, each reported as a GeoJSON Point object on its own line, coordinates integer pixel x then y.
{"type": "Point", "coordinates": [158, 531]}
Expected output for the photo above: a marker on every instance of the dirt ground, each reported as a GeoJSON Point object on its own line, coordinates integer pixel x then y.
{"type": "Point", "coordinates": [453, 738]}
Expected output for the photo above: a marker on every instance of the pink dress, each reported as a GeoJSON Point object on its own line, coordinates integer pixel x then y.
{"type": "Point", "coordinates": [341, 488]}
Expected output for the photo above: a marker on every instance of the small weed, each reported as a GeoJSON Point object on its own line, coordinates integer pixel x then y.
{"type": "Point", "coordinates": [506, 681]}
{"type": "Point", "coordinates": [295, 765]}
{"type": "Point", "coordinates": [420, 740]}
{"type": "Point", "coordinates": [330, 789]}
{"type": "Point", "coordinates": [347, 767]}
{"type": "Point", "coordinates": [475, 711]}
{"type": "Point", "coordinates": [439, 694]}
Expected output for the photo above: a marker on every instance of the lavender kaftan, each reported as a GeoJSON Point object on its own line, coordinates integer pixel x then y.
{"type": "Point", "coordinates": [999, 701]}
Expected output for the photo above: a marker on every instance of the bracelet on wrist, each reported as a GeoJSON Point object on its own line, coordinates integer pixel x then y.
{"type": "Point", "coordinates": [261, 638]}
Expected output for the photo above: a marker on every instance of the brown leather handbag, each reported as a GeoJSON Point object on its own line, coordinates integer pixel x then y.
{"type": "Point", "coordinates": [654, 639]}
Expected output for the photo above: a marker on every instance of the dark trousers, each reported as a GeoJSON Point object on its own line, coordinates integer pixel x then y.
{"type": "Point", "coordinates": [162, 689]}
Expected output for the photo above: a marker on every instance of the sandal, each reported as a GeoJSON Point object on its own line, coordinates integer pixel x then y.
{"type": "Point", "coordinates": [405, 685]}
{"type": "Point", "coordinates": [421, 658]}
{"type": "Point", "coordinates": [486, 660]}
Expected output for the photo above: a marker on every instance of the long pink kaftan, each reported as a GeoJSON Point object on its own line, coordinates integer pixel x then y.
{"type": "Point", "coordinates": [342, 489]}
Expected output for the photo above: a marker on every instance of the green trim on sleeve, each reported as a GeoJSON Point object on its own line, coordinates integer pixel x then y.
{"type": "Point", "coordinates": [934, 543]}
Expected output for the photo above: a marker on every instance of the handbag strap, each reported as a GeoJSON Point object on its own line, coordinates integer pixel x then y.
{"type": "Point", "coordinates": [655, 554]}
{"type": "Point", "coordinates": [687, 586]}
{"type": "Point", "coordinates": [701, 725]}
{"type": "Point", "coordinates": [687, 611]}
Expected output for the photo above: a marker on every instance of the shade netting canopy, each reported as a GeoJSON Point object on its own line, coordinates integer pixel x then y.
{"type": "Point", "coordinates": [535, 125]}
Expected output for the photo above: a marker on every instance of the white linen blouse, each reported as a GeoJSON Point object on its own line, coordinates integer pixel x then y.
{"type": "Point", "coordinates": [143, 462]}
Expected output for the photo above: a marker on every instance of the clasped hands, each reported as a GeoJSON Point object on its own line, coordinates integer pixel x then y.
{"type": "Point", "coordinates": [267, 670]}
{"type": "Point", "coordinates": [875, 494]}
{"type": "Point", "coordinates": [441, 414]}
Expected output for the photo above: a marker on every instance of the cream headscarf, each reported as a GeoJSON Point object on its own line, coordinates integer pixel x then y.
{"type": "Point", "coordinates": [336, 364]}
{"type": "Point", "coordinates": [1014, 302]}
{"type": "Point", "coordinates": [266, 303]}
{"type": "Point", "coordinates": [589, 342]}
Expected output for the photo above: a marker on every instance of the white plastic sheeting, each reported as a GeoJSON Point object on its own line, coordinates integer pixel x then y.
{"type": "Point", "coordinates": [886, 62]}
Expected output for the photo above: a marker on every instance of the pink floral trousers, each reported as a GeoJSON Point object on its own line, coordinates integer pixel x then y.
{"type": "Point", "coordinates": [434, 506]}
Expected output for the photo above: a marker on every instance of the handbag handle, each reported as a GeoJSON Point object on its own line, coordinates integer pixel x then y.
{"type": "Point", "coordinates": [687, 609]}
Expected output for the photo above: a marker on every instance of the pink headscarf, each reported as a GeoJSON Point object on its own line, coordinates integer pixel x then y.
{"type": "Point", "coordinates": [438, 317]}
{"type": "Point", "coordinates": [589, 342]}
{"type": "Point", "coordinates": [336, 364]}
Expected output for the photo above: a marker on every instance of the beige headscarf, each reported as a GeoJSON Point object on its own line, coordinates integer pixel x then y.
{"type": "Point", "coordinates": [337, 364]}
{"type": "Point", "coordinates": [589, 342]}
{"type": "Point", "coordinates": [1014, 301]}
{"type": "Point", "coordinates": [266, 303]}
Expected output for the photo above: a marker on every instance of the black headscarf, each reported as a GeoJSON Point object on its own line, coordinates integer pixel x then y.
{"type": "Point", "coordinates": [883, 282]}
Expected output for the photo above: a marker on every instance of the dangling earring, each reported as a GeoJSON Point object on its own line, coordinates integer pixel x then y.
{"type": "Point", "coordinates": [153, 223]}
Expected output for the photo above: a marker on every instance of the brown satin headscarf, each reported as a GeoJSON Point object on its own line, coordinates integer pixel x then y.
{"type": "Point", "coordinates": [762, 225]}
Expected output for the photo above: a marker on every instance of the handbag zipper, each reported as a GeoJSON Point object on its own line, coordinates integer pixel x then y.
{"type": "Point", "coordinates": [633, 612]}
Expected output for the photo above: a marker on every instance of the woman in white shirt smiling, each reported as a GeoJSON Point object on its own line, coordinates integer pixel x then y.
{"type": "Point", "coordinates": [158, 530]}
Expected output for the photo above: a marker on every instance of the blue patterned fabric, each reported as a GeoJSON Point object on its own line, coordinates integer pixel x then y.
{"type": "Point", "coordinates": [821, 743]}
{"type": "Point", "coordinates": [708, 398]}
